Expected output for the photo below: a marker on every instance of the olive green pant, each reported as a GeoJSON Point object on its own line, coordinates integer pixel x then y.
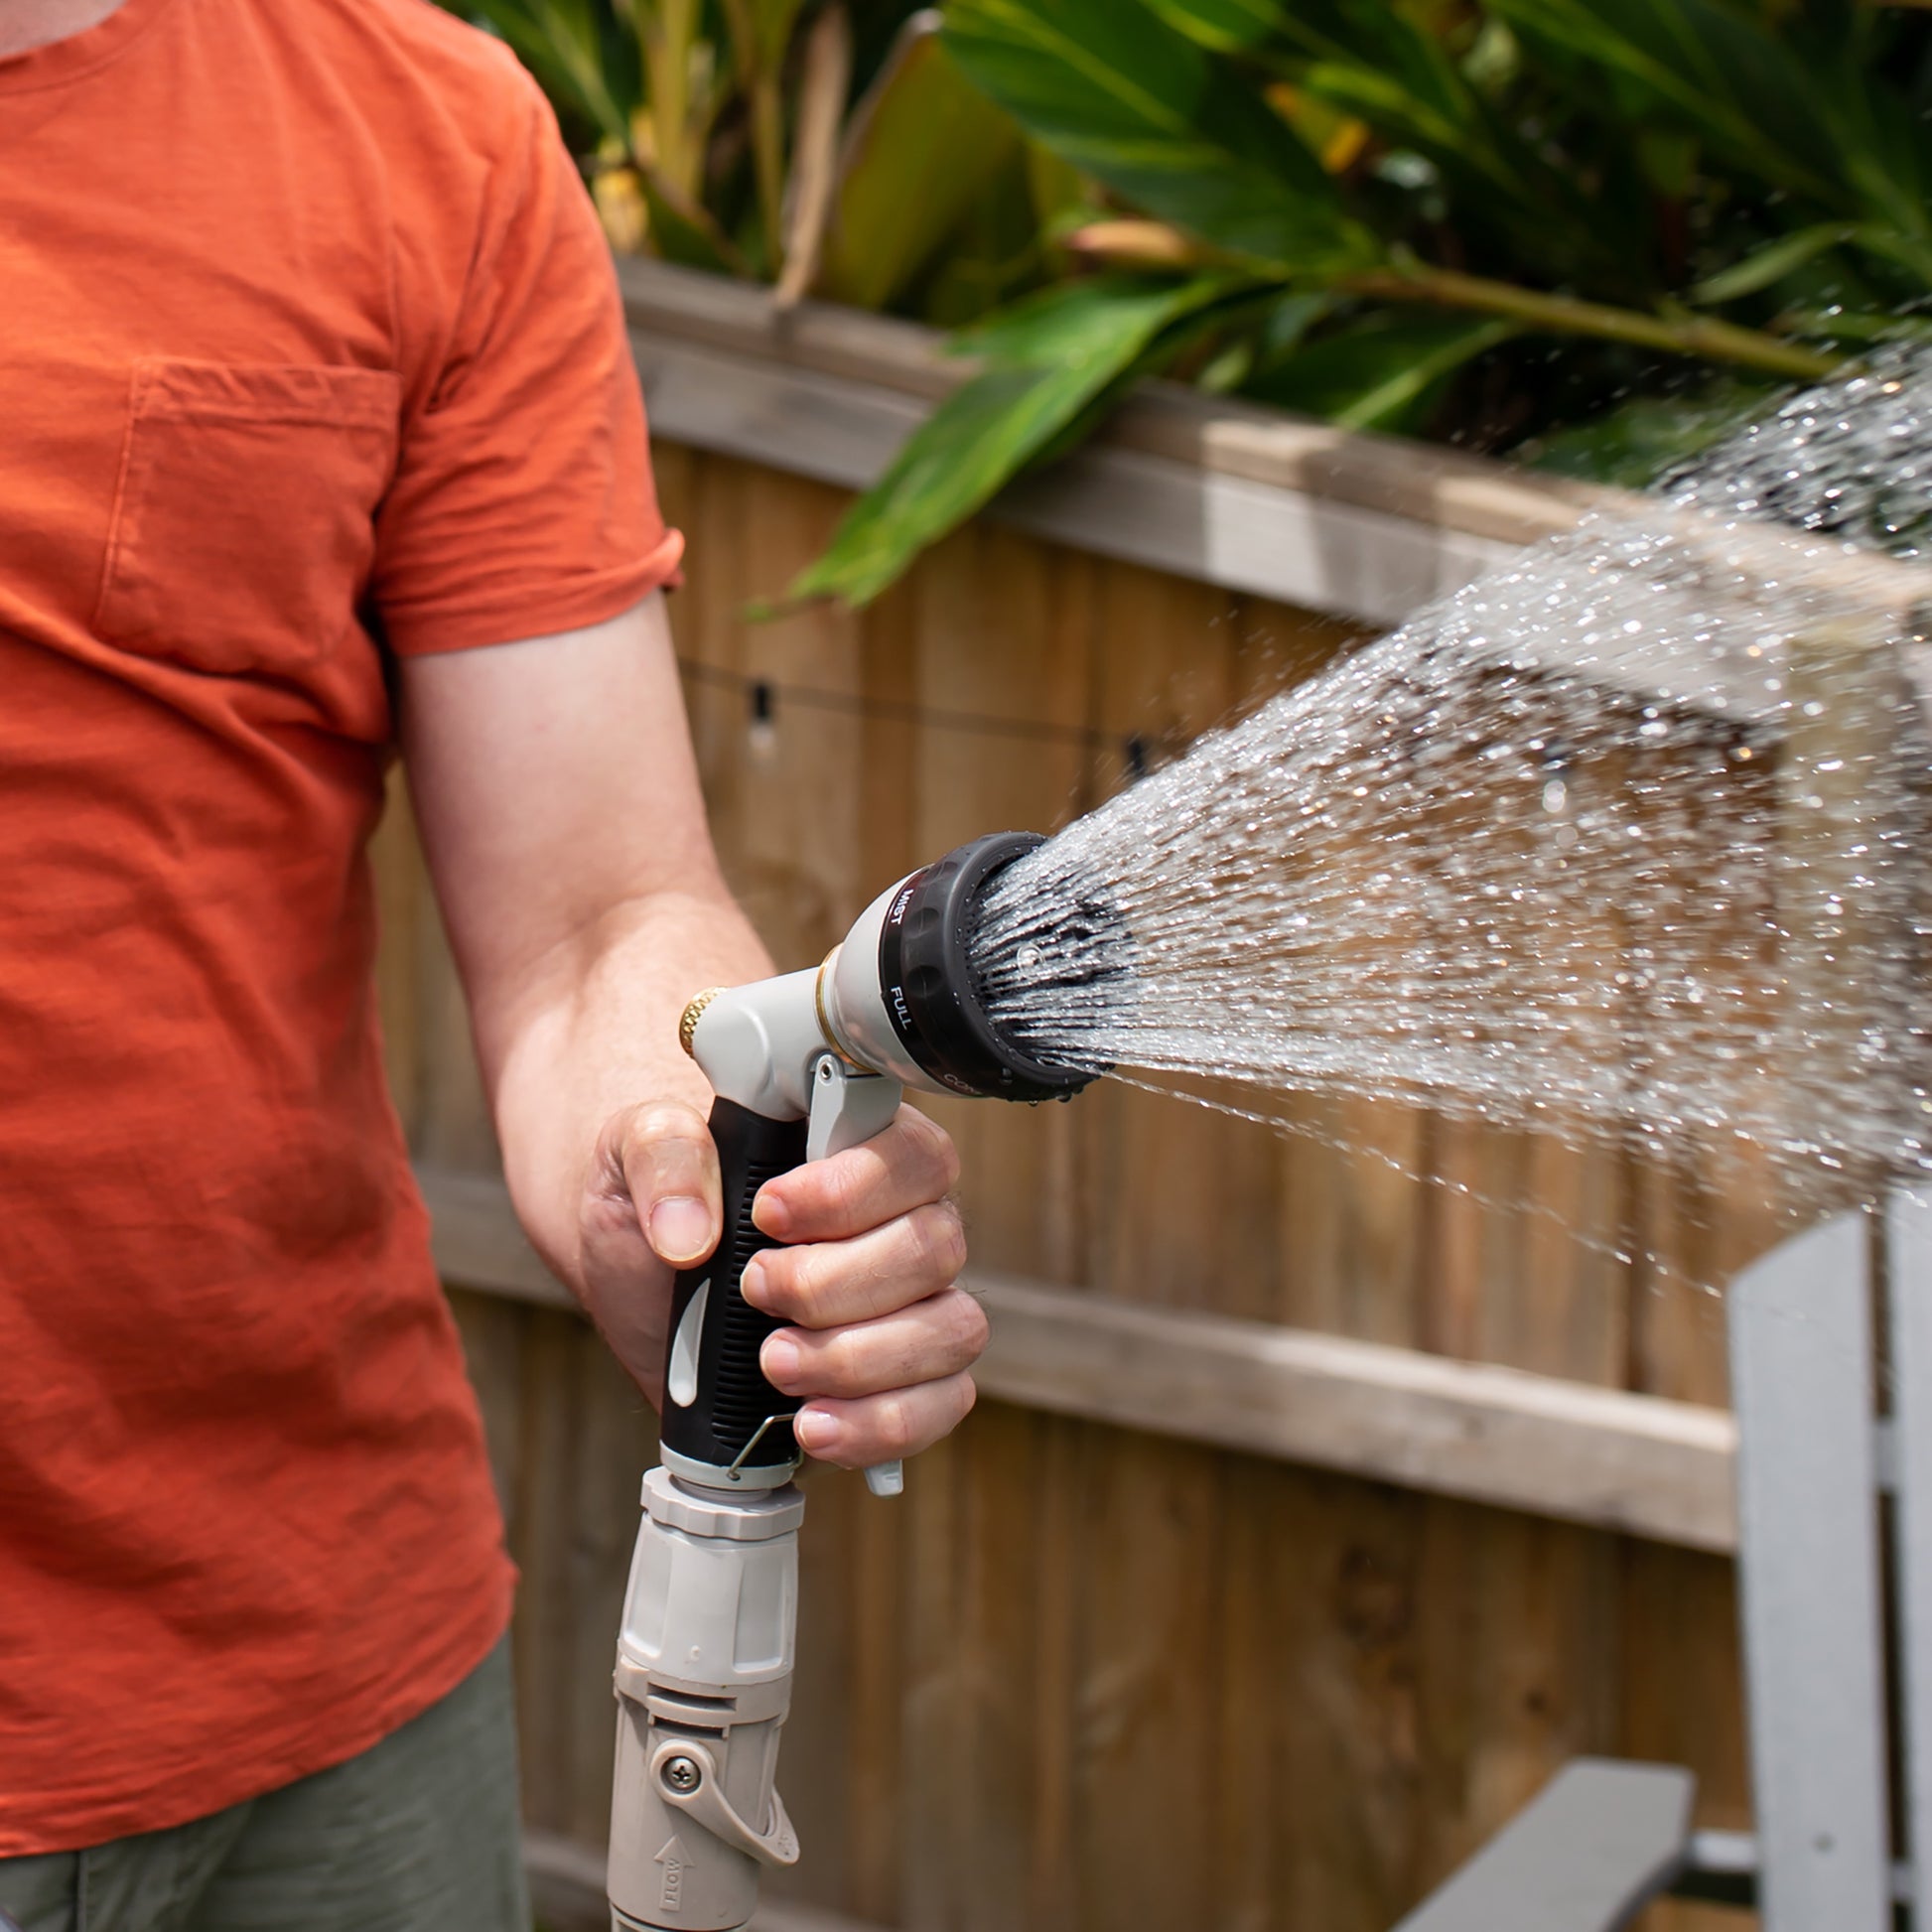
{"type": "Point", "coordinates": [419, 1833]}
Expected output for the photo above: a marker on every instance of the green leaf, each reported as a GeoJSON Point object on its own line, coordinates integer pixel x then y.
{"type": "Point", "coordinates": [1370, 60]}
{"type": "Point", "coordinates": [1286, 322]}
{"type": "Point", "coordinates": [1225, 26]}
{"type": "Point", "coordinates": [1385, 373]}
{"type": "Point", "coordinates": [1062, 196]}
{"type": "Point", "coordinates": [681, 231]}
{"type": "Point", "coordinates": [1789, 103]}
{"type": "Point", "coordinates": [923, 146]}
{"type": "Point", "coordinates": [1090, 334]}
{"type": "Point", "coordinates": [770, 23]}
{"type": "Point", "coordinates": [993, 254]}
{"type": "Point", "coordinates": [562, 43]}
{"type": "Point", "coordinates": [1668, 157]}
{"type": "Point", "coordinates": [1638, 441]}
{"type": "Point", "coordinates": [1851, 326]}
{"type": "Point", "coordinates": [1122, 95]}
{"type": "Point", "coordinates": [1702, 65]}
{"type": "Point", "coordinates": [1772, 263]}
{"type": "Point", "coordinates": [1078, 322]}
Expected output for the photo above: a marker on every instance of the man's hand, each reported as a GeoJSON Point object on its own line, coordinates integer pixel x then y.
{"type": "Point", "coordinates": [557, 794]}
{"type": "Point", "coordinates": [879, 1339]}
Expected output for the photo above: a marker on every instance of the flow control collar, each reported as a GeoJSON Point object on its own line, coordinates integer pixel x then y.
{"type": "Point", "coordinates": [932, 994]}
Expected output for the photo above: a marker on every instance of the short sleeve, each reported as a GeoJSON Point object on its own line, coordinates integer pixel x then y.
{"type": "Point", "coordinates": [522, 501]}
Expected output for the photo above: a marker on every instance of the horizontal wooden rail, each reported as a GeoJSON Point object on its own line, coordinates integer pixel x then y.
{"type": "Point", "coordinates": [1213, 435]}
{"type": "Point", "coordinates": [1602, 1456]}
{"type": "Point", "coordinates": [1636, 1464]}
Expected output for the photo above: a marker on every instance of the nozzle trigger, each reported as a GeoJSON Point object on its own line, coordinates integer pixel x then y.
{"type": "Point", "coordinates": [848, 1109]}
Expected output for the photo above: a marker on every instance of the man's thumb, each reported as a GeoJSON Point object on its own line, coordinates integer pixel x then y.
{"type": "Point", "coordinates": [671, 1169]}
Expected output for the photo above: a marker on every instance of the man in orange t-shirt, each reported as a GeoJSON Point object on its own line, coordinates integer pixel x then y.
{"type": "Point", "coordinates": [319, 434]}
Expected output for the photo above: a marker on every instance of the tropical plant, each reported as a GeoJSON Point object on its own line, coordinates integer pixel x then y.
{"type": "Point", "coordinates": [829, 144]}
{"type": "Point", "coordinates": [1513, 223]}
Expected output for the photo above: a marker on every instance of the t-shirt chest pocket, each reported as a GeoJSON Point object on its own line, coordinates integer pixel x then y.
{"type": "Point", "coordinates": [243, 533]}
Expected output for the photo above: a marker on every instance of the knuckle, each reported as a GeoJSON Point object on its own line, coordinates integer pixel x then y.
{"type": "Point", "coordinates": [975, 1331]}
{"type": "Point", "coordinates": [839, 1365]}
{"type": "Point", "coordinates": [815, 1291]}
{"type": "Point", "coordinates": [660, 1158]}
{"type": "Point", "coordinates": [662, 1122]}
{"type": "Point", "coordinates": [784, 1292]}
{"type": "Point", "coordinates": [955, 1237]}
{"type": "Point", "coordinates": [895, 1426]}
{"type": "Point", "coordinates": [939, 1241]}
{"type": "Point", "coordinates": [935, 1149]}
{"type": "Point", "coordinates": [843, 1191]}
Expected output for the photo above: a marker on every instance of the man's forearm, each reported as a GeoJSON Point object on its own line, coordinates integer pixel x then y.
{"type": "Point", "coordinates": [560, 810]}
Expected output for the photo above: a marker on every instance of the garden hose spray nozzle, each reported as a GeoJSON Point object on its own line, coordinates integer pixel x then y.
{"type": "Point", "coordinates": [802, 1066]}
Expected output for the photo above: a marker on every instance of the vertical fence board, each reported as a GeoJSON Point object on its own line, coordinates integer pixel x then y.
{"type": "Point", "coordinates": [1345, 1685]}
{"type": "Point", "coordinates": [1001, 632]}
{"type": "Point", "coordinates": [998, 632]}
{"type": "Point", "coordinates": [1144, 1774]}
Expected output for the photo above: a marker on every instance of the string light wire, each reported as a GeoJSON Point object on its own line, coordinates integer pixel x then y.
{"type": "Point", "coordinates": [762, 697]}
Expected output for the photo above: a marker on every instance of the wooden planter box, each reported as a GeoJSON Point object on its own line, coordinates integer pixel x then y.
{"type": "Point", "coordinates": [1314, 1514]}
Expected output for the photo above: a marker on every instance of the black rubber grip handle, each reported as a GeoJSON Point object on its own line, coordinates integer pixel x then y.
{"type": "Point", "coordinates": [730, 1399]}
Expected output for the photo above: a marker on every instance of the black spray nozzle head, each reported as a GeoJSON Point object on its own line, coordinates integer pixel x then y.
{"type": "Point", "coordinates": [932, 953]}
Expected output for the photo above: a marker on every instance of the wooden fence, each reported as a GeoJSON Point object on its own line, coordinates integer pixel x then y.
{"type": "Point", "coordinates": [1316, 1513]}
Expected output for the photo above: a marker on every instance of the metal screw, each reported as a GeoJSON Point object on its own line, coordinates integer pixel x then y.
{"type": "Point", "coordinates": [681, 1775]}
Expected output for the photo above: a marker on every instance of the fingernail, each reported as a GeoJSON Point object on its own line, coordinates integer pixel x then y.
{"type": "Point", "coordinates": [780, 1360]}
{"type": "Point", "coordinates": [815, 1430]}
{"type": "Point", "coordinates": [751, 1284]}
{"type": "Point", "coordinates": [680, 1229]}
{"type": "Point", "coordinates": [770, 1215]}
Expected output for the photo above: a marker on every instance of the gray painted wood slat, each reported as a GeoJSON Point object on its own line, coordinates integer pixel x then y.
{"type": "Point", "coordinates": [1801, 1370]}
{"type": "Point", "coordinates": [1908, 1246]}
{"type": "Point", "coordinates": [1599, 1840]}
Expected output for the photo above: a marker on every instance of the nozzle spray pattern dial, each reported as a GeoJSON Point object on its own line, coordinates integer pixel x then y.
{"type": "Point", "coordinates": [933, 987]}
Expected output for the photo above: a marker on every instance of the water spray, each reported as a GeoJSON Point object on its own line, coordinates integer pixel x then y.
{"type": "Point", "coordinates": [1633, 837]}
{"type": "Point", "coordinates": [803, 1066]}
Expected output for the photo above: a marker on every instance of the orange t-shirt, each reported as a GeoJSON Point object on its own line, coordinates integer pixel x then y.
{"type": "Point", "coordinates": [310, 350]}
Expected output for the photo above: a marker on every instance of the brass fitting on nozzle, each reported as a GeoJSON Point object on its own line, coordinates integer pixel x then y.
{"type": "Point", "coordinates": [687, 1024]}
